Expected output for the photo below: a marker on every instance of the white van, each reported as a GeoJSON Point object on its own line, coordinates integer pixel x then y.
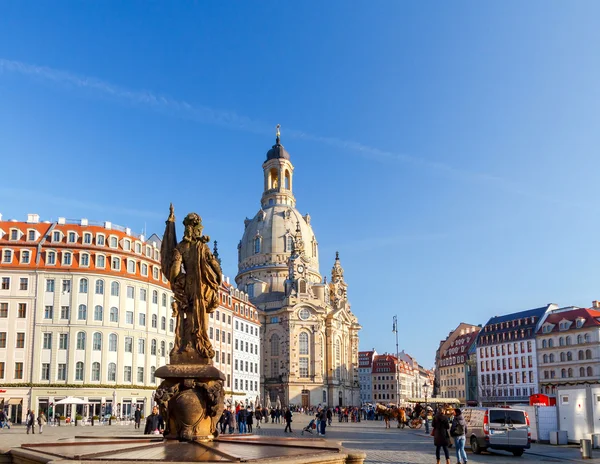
{"type": "Point", "coordinates": [504, 429]}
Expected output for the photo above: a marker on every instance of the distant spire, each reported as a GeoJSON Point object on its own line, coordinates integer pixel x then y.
{"type": "Point", "coordinates": [278, 134]}
{"type": "Point", "coordinates": [216, 253]}
{"type": "Point", "coordinates": [337, 255]}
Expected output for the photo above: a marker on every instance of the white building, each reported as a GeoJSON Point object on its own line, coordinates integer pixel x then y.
{"type": "Point", "coordinates": [506, 356]}
{"type": "Point", "coordinates": [234, 331]}
{"type": "Point", "coordinates": [365, 368]}
{"type": "Point", "coordinates": [85, 312]}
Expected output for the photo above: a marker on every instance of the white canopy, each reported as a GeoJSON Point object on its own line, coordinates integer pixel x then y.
{"type": "Point", "coordinates": [72, 400]}
{"type": "Point", "coordinates": [433, 400]}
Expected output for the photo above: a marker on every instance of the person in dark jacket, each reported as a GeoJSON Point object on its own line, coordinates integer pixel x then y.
{"type": "Point", "coordinates": [249, 420]}
{"type": "Point", "coordinates": [440, 435]}
{"type": "Point", "coordinates": [288, 420]}
{"type": "Point", "coordinates": [458, 431]}
{"type": "Point", "coordinates": [154, 423]}
{"type": "Point", "coordinates": [30, 422]}
{"type": "Point", "coordinates": [137, 417]}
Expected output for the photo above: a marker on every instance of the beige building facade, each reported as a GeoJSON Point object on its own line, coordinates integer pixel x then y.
{"type": "Point", "coordinates": [309, 333]}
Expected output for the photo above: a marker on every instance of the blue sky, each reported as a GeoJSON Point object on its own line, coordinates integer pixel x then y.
{"type": "Point", "coordinates": [447, 150]}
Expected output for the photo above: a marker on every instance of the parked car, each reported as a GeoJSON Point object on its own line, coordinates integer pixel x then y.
{"type": "Point", "coordinates": [504, 429]}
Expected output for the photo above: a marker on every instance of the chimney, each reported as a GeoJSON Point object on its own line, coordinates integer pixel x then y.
{"type": "Point", "coordinates": [33, 218]}
{"type": "Point", "coordinates": [107, 225]}
{"type": "Point", "coordinates": [0, 216]}
{"type": "Point", "coordinates": [62, 220]}
{"type": "Point", "coordinates": [595, 304]}
{"type": "Point", "coordinates": [83, 222]}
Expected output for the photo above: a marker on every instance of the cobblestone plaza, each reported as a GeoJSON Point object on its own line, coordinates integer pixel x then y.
{"type": "Point", "coordinates": [380, 444]}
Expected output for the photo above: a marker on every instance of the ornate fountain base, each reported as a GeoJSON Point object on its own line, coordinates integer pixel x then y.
{"type": "Point", "coordinates": [191, 400]}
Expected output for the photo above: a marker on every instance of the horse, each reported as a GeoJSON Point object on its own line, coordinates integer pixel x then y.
{"type": "Point", "coordinates": [391, 413]}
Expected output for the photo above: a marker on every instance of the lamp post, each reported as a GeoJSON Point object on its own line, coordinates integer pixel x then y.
{"type": "Point", "coordinates": [396, 373]}
{"type": "Point", "coordinates": [426, 389]}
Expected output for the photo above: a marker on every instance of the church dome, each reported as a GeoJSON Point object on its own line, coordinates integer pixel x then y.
{"type": "Point", "coordinates": [270, 235]}
{"type": "Point", "coordinates": [277, 151]}
{"type": "Point", "coordinates": [268, 240]}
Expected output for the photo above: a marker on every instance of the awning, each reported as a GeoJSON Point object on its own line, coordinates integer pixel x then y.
{"type": "Point", "coordinates": [15, 401]}
{"type": "Point", "coordinates": [433, 400]}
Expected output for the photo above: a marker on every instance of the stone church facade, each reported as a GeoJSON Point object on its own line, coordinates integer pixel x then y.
{"type": "Point", "coordinates": [309, 335]}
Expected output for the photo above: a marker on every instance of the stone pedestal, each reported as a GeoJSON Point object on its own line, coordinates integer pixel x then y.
{"type": "Point", "coordinates": [191, 400]}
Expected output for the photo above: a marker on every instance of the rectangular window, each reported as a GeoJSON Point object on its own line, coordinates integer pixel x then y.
{"type": "Point", "coordinates": [5, 283]}
{"type": "Point", "coordinates": [142, 318]}
{"type": "Point", "coordinates": [142, 294]}
{"type": "Point", "coordinates": [66, 286]}
{"type": "Point", "coordinates": [141, 346]}
{"type": "Point", "coordinates": [7, 257]}
{"type": "Point", "coordinates": [127, 374]}
{"type": "Point", "coordinates": [130, 292]}
{"type": "Point", "coordinates": [128, 345]}
{"type": "Point", "coordinates": [20, 340]}
{"type": "Point", "coordinates": [50, 285]}
{"type": "Point", "coordinates": [19, 370]}
{"type": "Point", "coordinates": [63, 341]}
{"type": "Point", "coordinates": [2, 370]}
{"type": "Point", "coordinates": [3, 310]}
{"type": "Point", "coordinates": [129, 317]}
{"type": "Point", "coordinates": [61, 373]}
{"type": "Point", "coordinates": [45, 371]}
{"type": "Point", "coordinates": [64, 312]}
{"type": "Point", "coordinates": [22, 311]}
{"type": "Point", "coordinates": [2, 339]}
{"type": "Point", "coordinates": [23, 283]}
{"type": "Point", "coordinates": [47, 341]}
{"type": "Point", "coordinates": [140, 375]}
{"type": "Point", "coordinates": [48, 310]}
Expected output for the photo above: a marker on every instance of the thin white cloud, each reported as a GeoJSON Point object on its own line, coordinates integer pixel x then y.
{"type": "Point", "coordinates": [206, 115]}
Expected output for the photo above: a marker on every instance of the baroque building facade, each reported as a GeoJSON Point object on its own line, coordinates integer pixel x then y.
{"type": "Point", "coordinates": [309, 333]}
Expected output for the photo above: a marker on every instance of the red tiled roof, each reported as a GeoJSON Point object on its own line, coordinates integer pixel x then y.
{"type": "Point", "coordinates": [591, 316]}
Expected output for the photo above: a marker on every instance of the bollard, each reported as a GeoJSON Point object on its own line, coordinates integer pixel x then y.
{"type": "Point", "coordinates": [586, 448]}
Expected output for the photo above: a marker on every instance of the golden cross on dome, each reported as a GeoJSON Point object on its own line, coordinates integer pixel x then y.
{"type": "Point", "coordinates": [278, 133]}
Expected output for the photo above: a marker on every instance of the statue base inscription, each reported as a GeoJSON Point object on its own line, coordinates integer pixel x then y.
{"type": "Point", "coordinates": [191, 400]}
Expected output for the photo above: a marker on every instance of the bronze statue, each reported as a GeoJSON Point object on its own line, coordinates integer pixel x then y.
{"type": "Point", "coordinates": [191, 398]}
{"type": "Point", "coordinates": [195, 276]}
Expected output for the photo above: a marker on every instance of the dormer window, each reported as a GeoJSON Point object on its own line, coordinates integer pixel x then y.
{"type": "Point", "coordinates": [114, 242]}
{"type": "Point", "coordinates": [127, 245]}
{"type": "Point", "coordinates": [131, 266]}
{"type": "Point", "coordinates": [72, 237]}
{"type": "Point", "coordinates": [564, 325]}
{"type": "Point", "coordinates": [84, 260]}
{"type": "Point", "coordinates": [580, 323]}
{"type": "Point", "coordinates": [14, 234]}
{"type": "Point", "coordinates": [547, 328]}
{"type": "Point", "coordinates": [100, 240]}
{"type": "Point", "coordinates": [115, 263]}
{"type": "Point", "coordinates": [148, 251]}
{"type": "Point", "coordinates": [155, 272]}
{"type": "Point", "coordinates": [56, 236]}
{"type": "Point", "coordinates": [87, 238]}
{"type": "Point", "coordinates": [25, 257]}
{"type": "Point", "coordinates": [156, 255]}
{"type": "Point", "coordinates": [67, 258]}
{"type": "Point", "coordinates": [7, 256]}
{"type": "Point", "coordinates": [31, 235]}
{"type": "Point", "coordinates": [100, 261]}
{"type": "Point", "coordinates": [51, 258]}
{"type": "Point", "coordinates": [144, 269]}
{"type": "Point", "coordinates": [138, 247]}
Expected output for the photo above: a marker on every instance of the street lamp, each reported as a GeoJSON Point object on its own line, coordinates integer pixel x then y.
{"type": "Point", "coordinates": [426, 390]}
{"type": "Point", "coordinates": [397, 374]}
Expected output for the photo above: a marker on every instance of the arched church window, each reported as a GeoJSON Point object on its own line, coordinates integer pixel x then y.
{"type": "Point", "coordinates": [337, 359]}
{"type": "Point", "coordinates": [287, 180]}
{"type": "Point", "coordinates": [288, 243]}
{"type": "Point", "coordinates": [257, 245]}
{"type": "Point", "coordinates": [303, 343]}
{"type": "Point", "coordinates": [314, 248]}
{"type": "Point", "coordinates": [275, 345]}
{"type": "Point", "coordinates": [273, 179]}
{"type": "Point", "coordinates": [304, 358]}
{"type": "Point", "coordinates": [250, 290]}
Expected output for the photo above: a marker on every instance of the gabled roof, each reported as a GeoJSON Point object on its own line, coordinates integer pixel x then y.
{"type": "Point", "coordinates": [591, 316]}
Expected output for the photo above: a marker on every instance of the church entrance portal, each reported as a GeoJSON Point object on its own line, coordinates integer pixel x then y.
{"type": "Point", "coordinates": [305, 399]}
{"type": "Point", "coordinates": [340, 399]}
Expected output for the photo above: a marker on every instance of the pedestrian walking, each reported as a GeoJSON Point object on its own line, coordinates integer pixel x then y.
{"type": "Point", "coordinates": [154, 423]}
{"type": "Point", "coordinates": [258, 414]}
{"type": "Point", "coordinates": [41, 420]}
{"type": "Point", "coordinates": [30, 421]}
{"type": "Point", "coordinates": [440, 435]}
{"type": "Point", "coordinates": [288, 420]}
{"type": "Point", "coordinates": [323, 422]}
{"type": "Point", "coordinates": [137, 417]}
{"type": "Point", "coordinates": [249, 420]}
{"type": "Point", "coordinates": [231, 423]}
{"type": "Point", "coordinates": [458, 431]}
{"type": "Point", "coordinates": [329, 416]}
{"type": "Point", "coordinates": [4, 420]}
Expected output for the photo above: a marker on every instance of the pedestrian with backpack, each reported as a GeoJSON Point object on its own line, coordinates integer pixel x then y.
{"type": "Point", "coordinates": [458, 431]}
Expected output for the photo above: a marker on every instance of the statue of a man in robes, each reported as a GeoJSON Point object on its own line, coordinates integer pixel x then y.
{"type": "Point", "coordinates": [195, 277]}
